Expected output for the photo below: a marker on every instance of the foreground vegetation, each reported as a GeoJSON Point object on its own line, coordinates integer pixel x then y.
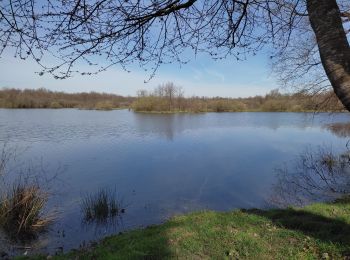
{"type": "Point", "coordinates": [22, 200]}
{"type": "Point", "coordinates": [318, 231]}
{"type": "Point", "coordinates": [21, 211]}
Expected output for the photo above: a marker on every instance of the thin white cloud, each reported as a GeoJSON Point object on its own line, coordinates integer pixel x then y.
{"type": "Point", "coordinates": [215, 74]}
{"type": "Point", "coordinates": [196, 80]}
{"type": "Point", "coordinates": [197, 74]}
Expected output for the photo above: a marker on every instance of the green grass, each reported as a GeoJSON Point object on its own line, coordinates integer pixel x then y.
{"type": "Point", "coordinates": [318, 231]}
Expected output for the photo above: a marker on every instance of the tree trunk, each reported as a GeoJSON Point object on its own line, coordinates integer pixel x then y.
{"type": "Point", "coordinates": [333, 45]}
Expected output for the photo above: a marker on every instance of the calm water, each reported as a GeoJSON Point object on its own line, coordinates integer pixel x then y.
{"type": "Point", "coordinates": [159, 165]}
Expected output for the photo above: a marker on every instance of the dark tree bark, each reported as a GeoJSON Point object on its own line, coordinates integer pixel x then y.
{"type": "Point", "coordinates": [325, 19]}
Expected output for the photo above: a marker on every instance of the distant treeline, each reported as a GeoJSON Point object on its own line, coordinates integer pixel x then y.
{"type": "Point", "coordinates": [43, 98]}
{"type": "Point", "coordinates": [170, 98]}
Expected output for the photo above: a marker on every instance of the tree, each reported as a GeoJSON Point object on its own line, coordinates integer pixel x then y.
{"type": "Point", "coordinates": [325, 19]}
{"type": "Point", "coordinates": [166, 97]}
{"type": "Point", "coordinates": [158, 31]}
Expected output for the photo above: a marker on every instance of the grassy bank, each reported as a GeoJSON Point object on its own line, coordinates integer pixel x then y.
{"type": "Point", "coordinates": [318, 231]}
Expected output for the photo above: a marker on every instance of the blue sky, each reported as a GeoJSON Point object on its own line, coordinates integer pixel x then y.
{"type": "Point", "coordinates": [202, 76]}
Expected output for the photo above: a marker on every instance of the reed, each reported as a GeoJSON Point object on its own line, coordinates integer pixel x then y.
{"type": "Point", "coordinates": [21, 211]}
{"type": "Point", "coordinates": [101, 205]}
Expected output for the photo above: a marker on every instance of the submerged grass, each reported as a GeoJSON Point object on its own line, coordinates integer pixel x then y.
{"type": "Point", "coordinates": [318, 231]}
{"type": "Point", "coordinates": [100, 206]}
{"type": "Point", "coordinates": [21, 215]}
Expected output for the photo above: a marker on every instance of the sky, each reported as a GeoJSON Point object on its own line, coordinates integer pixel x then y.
{"type": "Point", "coordinates": [202, 76]}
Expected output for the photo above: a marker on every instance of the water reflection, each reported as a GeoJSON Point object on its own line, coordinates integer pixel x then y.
{"type": "Point", "coordinates": [170, 125]}
{"type": "Point", "coordinates": [102, 209]}
{"type": "Point", "coordinates": [160, 124]}
{"type": "Point", "coordinates": [316, 175]}
{"type": "Point", "coordinates": [339, 129]}
{"type": "Point", "coordinates": [164, 164]}
{"type": "Point", "coordinates": [26, 188]}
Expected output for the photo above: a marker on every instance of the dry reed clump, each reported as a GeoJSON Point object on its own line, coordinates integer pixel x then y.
{"type": "Point", "coordinates": [21, 215]}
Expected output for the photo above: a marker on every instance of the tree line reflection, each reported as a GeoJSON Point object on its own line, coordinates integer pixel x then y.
{"type": "Point", "coordinates": [316, 175]}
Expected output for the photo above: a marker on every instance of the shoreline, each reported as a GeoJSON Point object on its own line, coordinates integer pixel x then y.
{"type": "Point", "coordinates": [177, 112]}
{"type": "Point", "coordinates": [247, 111]}
{"type": "Point", "coordinates": [316, 231]}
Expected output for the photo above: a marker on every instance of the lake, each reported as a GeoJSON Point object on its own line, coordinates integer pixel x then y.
{"type": "Point", "coordinates": [159, 165]}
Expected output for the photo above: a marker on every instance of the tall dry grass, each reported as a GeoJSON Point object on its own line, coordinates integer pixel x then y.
{"type": "Point", "coordinates": [21, 211]}
{"type": "Point", "coordinates": [22, 198]}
